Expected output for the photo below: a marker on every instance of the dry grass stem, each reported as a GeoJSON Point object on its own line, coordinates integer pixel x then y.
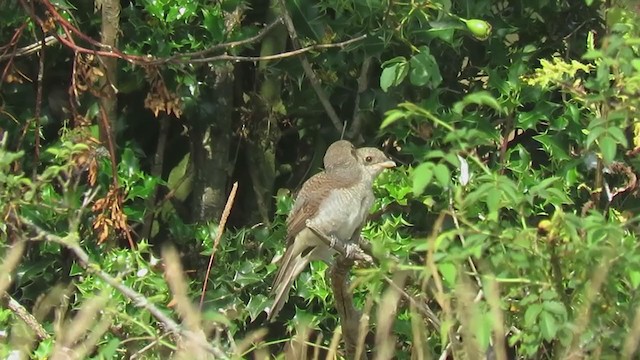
{"type": "Point", "coordinates": [385, 340]}
{"type": "Point", "coordinates": [216, 242]}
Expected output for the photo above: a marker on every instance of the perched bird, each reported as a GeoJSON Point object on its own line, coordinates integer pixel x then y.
{"type": "Point", "coordinates": [336, 202]}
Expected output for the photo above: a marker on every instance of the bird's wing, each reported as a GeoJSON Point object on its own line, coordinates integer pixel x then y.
{"type": "Point", "coordinates": [313, 191]}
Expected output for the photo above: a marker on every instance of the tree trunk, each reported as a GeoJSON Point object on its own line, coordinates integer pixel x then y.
{"type": "Point", "coordinates": [109, 36]}
{"type": "Point", "coordinates": [211, 140]}
{"type": "Point", "coordinates": [265, 133]}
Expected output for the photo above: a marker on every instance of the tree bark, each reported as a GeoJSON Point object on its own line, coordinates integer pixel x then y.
{"type": "Point", "coordinates": [211, 140]}
{"type": "Point", "coordinates": [265, 134]}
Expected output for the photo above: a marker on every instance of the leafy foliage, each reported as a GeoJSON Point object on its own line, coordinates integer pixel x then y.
{"type": "Point", "coordinates": [514, 220]}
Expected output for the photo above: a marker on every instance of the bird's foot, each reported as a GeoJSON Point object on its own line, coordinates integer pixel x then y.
{"type": "Point", "coordinates": [354, 252]}
{"type": "Point", "coordinates": [334, 241]}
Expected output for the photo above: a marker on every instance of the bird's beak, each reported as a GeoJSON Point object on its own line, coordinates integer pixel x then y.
{"type": "Point", "coordinates": [388, 164]}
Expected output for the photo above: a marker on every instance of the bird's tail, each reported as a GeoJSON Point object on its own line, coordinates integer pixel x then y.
{"type": "Point", "coordinates": [292, 265]}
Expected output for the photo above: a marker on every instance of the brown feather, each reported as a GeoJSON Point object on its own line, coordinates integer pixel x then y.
{"type": "Point", "coordinates": [313, 192]}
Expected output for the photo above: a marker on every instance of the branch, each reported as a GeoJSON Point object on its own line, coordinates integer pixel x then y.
{"type": "Point", "coordinates": [341, 247]}
{"type": "Point", "coordinates": [26, 316]}
{"type": "Point", "coordinates": [184, 58]}
{"type": "Point", "coordinates": [363, 84]}
{"type": "Point", "coordinates": [361, 255]}
{"type": "Point", "coordinates": [280, 55]}
{"type": "Point", "coordinates": [30, 49]}
{"type": "Point", "coordinates": [138, 299]}
{"type": "Point", "coordinates": [315, 83]}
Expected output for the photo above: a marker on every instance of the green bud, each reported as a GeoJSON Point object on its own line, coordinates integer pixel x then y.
{"type": "Point", "coordinates": [479, 28]}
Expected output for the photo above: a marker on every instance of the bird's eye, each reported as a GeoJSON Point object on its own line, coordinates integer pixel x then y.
{"type": "Point", "coordinates": [368, 159]}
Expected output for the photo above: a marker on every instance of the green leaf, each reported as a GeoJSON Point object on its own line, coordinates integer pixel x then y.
{"type": "Point", "coordinates": [594, 134]}
{"type": "Point", "coordinates": [555, 307]}
{"type": "Point", "coordinates": [548, 325]}
{"type": "Point", "coordinates": [109, 350]}
{"type": "Point", "coordinates": [422, 176]}
{"type": "Point", "coordinates": [634, 277]}
{"type": "Point", "coordinates": [618, 135]}
{"type": "Point", "coordinates": [449, 273]}
{"type": "Point", "coordinates": [177, 181]}
{"type": "Point", "coordinates": [477, 98]}
{"type": "Point", "coordinates": [443, 176]}
{"type": "Point", "coordinates": [391, 117]}
{"type": "Point", "coordinates": [257, 303]}
{"type": "Point", "coordinates": [531, 315]}
{"type": "Point", "coordinates": [424, 69]}
{"type": "Point", "coordinates": [608, 149]}
{"type": "Point", "coordinates": [551, 145]}
{"type": "Point", "coordinates": [393, 75]}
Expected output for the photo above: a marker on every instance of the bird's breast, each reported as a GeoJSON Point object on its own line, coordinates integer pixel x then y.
{"type": "Point", "coordinates": [343, 211]}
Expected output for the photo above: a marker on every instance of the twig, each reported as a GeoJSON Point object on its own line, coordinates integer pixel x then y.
{"type": "Point", "coordinates": [341, 247]}
{"type": "Point", "coordinates": [315, 83]}
{"type": "Point", "coordinates": [363, 84]}
{"type": "Point", "coordinates": [280, 55]}
{"type": "Point", "coordinates": [138, 299]}
{"type": "Point", "coordinates": [30, 49]}
{"type": "Point", "coordinates": [12, 44]}
{"type": "Point", "coordinates": [216, 242]}
{"type": "Point", "coordinates": [38, 109]}
{"type": "Point", "coordinates": [26, 316]}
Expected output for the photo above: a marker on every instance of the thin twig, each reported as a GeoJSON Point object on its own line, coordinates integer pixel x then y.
{"type": "Point", "coordinates": [315, 83]}
{"type": "Point", "coordinates": [216, 242]}
{"type": "Point", "coordinates": [363, 84]}
{"type": "Point", "coordinates": [283, 55]}
{"type": "Point", "coordinates": [30, 49]}
{"type": "Point", "coordinates": [38, 110]}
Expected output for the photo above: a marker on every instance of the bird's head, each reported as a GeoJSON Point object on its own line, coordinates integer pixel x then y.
{"type": "Point", "coordinates": [340, 153]}
{"type": "Point", "coordinates": [374, 160]}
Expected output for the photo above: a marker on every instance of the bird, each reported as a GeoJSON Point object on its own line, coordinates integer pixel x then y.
{"type": "Point", "coordinates": [336, 202]}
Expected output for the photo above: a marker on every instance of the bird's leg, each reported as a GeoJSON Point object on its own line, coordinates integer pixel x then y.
{"type": "Point", "coordinates": [351, 249]}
